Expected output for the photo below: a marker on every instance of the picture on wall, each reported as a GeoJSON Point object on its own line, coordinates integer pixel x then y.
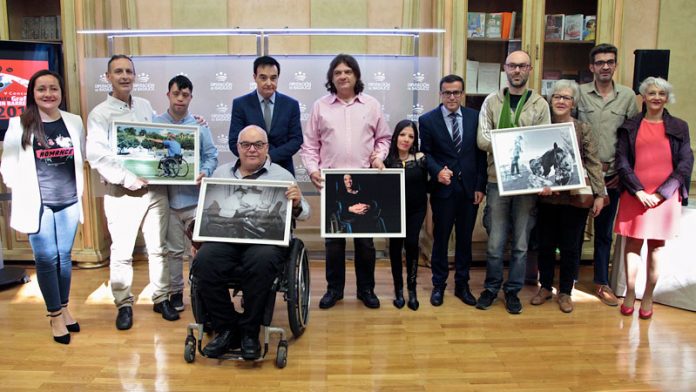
{"type": "Point", "coordinates": [364, 203]}
{"type": "Point", "coordinates": [164, 154]}
{"type": "Point", "coordinates": [243, 211]}
{"type": "Point", "coordinates": [527, 159]}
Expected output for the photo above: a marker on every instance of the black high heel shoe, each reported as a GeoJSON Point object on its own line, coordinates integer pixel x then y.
{"type": "Point", "coordinates": [75, 327]}
{"type": "Point", "coordinates": [399, 300]}
{"type": "Point", "coordinates": [63, 339]}
{"type": "Point", "coordinates": [413, 300]}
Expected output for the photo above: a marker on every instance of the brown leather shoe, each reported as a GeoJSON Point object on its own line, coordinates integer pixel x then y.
{"type": "Point", "coordinates": [565, 303]}
{"type": "Point", "coordinates": [541, 297]}
{"type": "Point", "coordinates": [606, 295]}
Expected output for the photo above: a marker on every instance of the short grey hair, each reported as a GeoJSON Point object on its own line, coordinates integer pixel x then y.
{"type": "Point", "coordinates": [564, 84]}
{"type": "Point", "coordinates": [660, 83]}
{"type": "Point", "coordinates": [254, 128]}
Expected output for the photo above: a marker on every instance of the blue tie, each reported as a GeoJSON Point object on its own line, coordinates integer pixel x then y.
{"type": "Point", "coordinates": [456, 135]}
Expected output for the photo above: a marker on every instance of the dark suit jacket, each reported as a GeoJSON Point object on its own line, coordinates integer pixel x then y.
{"type": "Point", "coordinates": [285, 136]}
{"type": "Point", "coordinates": [469, 166]}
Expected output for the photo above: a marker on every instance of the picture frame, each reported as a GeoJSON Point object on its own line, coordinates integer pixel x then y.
{"type": "Point", "coordinates": [141, 148]}
{"type": "Point", "coordinates": [243, 211]}
{"type": "Point", "coordinates": [379, 193]}
{"type": "Point", "coordinates": [527, 159]}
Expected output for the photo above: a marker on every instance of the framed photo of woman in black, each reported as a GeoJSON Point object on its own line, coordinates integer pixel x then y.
{"type": "Point", "coordinates": [363, 203]}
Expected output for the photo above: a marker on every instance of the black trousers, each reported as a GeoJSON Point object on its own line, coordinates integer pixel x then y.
{"type": "Point", "coordinates": [414, 221]}
{"type": "Point", "coordinates": [217, 263]}
{"type": "Point", "coordinates": [560, 226]}
{"type": "Point", "coordinates": [336, 263]}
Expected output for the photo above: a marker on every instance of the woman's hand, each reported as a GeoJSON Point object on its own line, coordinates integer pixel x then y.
{"type": "Point", "coordinates": [649, 200]}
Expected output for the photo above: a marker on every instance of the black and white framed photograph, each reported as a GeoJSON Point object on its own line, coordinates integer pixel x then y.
{"type": "Point", "coordinates": [243, 211]}
{"type": "Point", "coordinates": [363, 203]}
{"type": "Point", "coordinates": [163, 154]}
{"type": "Point", "coordinates": [528, 159]}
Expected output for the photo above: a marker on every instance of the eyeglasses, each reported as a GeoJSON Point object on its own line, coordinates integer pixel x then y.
{"type": "Point", "coordinates": [513, 66]}
{"type": "Point", "coordinates": [247, 145]}
{"type": "Point", "coordinates": [602, 63]}
{"type": "Point", "coordinates": [455, 94]}
{"type": "Point", "coordinates": [559, 97]}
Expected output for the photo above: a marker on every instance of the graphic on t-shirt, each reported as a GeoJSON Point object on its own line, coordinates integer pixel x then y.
{"type": "Point", "coordinates": [59, 151]}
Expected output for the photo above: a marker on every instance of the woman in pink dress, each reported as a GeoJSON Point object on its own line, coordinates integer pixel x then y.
{"type": "Point", "coordinates": [654, 161]}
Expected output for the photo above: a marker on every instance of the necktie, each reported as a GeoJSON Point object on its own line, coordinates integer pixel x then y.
{"type": "Point", "coordinates": [456, 134]}
{"type": "Point", "coordinates": [267, 114]}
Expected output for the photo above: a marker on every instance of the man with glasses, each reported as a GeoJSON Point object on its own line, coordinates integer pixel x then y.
{"type": "Point", "coordinates": [276, 113]}
{"type": "Point", "coordinates": [458, 179]}
{"type": "Point", "coordinates": [514, 106]}
{"type": "Point", "coordinates": [605, 105]}
{"type": "Point", "coordinates": [346, 130]}
{"type": "Point", "coordinates": [216, 262]}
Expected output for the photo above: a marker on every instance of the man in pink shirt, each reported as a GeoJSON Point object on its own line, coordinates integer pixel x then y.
{"type": "Point", "coordinates": [346, 130]}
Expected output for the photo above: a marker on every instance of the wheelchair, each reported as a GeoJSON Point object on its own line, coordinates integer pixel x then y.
{"type": "Point", "coordinates": [340, 221]}
{"type": "Point", "coordinates": [293, 280]}
{"type": "Point", "coordinates": [175, 166]}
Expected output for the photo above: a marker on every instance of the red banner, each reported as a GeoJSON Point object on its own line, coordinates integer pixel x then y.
{"type": "Point", "coordinates": [14, 78]}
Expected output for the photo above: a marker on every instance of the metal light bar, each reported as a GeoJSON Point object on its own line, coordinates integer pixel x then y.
{"type": "Point", "coordinates": [218, 32]}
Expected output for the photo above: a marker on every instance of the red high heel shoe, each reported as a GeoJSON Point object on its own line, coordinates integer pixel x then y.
{"type": "Point", "coordinates": [645, 315]}
{"type": "Point", "coordinates": [626, 311]}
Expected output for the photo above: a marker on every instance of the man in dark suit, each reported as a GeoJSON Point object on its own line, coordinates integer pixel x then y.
{"type": "Point", "coordinates": [277, 114]}
{"type": "Point", "coordinates": [458, 180]}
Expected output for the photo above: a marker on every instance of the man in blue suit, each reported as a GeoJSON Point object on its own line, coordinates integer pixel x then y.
{"type": "Point", "coordinates": [277, 114]}
{"type": "Point", "coordinates": [458, 180]}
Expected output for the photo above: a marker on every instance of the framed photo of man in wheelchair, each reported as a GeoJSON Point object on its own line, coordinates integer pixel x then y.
{"type": "Point", "coordinates": [243, 211]}
{"type": "Point", "coordinates": [363, 203]}
{"type": "Point", "coordinates": [527, 159]}
{"type": "Point", "coordinates": [163, 154]}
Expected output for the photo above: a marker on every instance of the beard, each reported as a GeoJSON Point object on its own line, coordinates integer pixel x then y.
{"type": "Point", "coordinates": [519, 84]}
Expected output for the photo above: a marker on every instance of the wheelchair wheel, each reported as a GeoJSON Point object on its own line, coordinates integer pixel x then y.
{"type": "Point", "coordinates": [190, 349]}
{"type": "Point", "coordinates": [183, 168]}
{"type": "Point", "coordinates": [282, 354]}
{"type": "Point", "coordinates": [298, 288]}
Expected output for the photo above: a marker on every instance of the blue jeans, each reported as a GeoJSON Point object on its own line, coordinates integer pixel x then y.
{"type": "Point", "coordinates": [52, 245]}
{"type": "Point", "coordinates": [604, 229]}
{"type": "Point", "coordinates": [501, 215]}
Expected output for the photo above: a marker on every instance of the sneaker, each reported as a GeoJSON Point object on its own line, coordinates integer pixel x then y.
{"type": "Point", "coordinates": [606, 295]}
{"type": "Point", "coordinates": [541, 297]}
{"type": "Point", "coordinates": [565, 303]}
{"type": "Point", "coordinates": [486, 300]}
{"type": "Point", "coordinates": [177, 301]}
{"type": "Point", "coordinates": [512, 303]}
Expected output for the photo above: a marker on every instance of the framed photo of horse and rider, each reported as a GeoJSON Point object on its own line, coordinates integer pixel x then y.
{"type": "Point", "coordinates": [527, 159]}
{"type": "Point", "coordinates": [162, 154]}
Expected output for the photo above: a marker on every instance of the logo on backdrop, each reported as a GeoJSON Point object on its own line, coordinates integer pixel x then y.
{"type": "Point", "coordinates": [222, 113]}
{"type": "Point", "coordinates": [387, 116]}
{"type": "Point", "coordinates": [300, 82]}
{"type": "Point", "coordinates": [418, 83]}
{"type": "Point", "coordinates": [222, 142]}
{"type": "Point", "coordinates": [142, 83]}
{"type": "Point", "coordinates": [378, 82]}
{"type": "Point", "coordinates": [416, 111]}
{"type": "Point", "coordinates": [220, 82]}
{"type": "Point", "coordinates": [304, 113]}
{"type": "Point", "coordinates": [102, 85]}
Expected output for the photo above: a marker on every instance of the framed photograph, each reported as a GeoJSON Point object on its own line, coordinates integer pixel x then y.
{"type": "Point", "coordinates": [165, 154]}
{"type": "Point", "coordinates": [527, 159]}
{"type": "Point", "coordinates": [243, 211]}
{"type": "Point", "coordinates": [363, 203]}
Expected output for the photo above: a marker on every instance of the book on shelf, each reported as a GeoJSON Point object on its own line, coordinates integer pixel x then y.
{"type": "Point", "coordinates": [517, 27]}
{"type": "Point", "coordinates": [573, 25]}
{"type": "Point", "coordinates": [589, 30]}
{"type": "Point", "coordinates": [471, 85]}
{"type": "Point", "coordinates": [476, 25]}
{"type": "Point", "coordinates": [554, 27]}
{"type": "Point", "coordinates": [507, 19]}
{"type": "Point", "coordinates": [488, 78]}
{"type": "Point", "coordinates": [514, 46]}
{"type": "Point", "coordinates": [494, 21]}
{"type": "Point", "coordinates": [546, 85]}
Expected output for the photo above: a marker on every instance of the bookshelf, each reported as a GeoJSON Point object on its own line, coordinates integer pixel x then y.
{"type": "Point", "coordinates": [34, 20]}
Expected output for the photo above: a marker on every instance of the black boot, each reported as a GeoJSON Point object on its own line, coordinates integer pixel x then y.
{"type": "Point", "coordinates": [413, 300]}
{"type": "Point", "coordinates": [399, 300]}
{"type": "Point", "coordinates": [412, 272]}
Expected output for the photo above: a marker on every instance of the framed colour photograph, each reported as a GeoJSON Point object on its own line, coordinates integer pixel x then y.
{"type": "Point", "coordinates": [363, 203]}
{"type": "Point", "coordinates": [527, 159]}
{"type": "Point", "coordinates": [163, 154]}
{"type": "Point", "coordinates": [243, 211]}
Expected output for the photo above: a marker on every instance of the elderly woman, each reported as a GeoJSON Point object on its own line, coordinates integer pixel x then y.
{"type": "Point", "coordinates": [654, 161]}
{"type": "Point", "coordinates": [562, 215]}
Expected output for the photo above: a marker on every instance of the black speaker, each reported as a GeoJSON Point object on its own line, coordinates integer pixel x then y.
{"type": "Point", "coordinates": [649, 62]}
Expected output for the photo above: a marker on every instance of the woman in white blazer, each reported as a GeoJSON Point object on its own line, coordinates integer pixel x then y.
{"type": "Point", "coordinates": [42, 163]}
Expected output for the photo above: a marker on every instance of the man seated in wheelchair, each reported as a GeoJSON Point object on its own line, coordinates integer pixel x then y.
{"type": "Point", "coordinates": [355, 210]}
{"type": "Point", "coordinates": [173, 151]}
{"type": "Point", "coordinates": [215, 262]}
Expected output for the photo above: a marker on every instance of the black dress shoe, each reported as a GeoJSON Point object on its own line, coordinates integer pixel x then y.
{"type": "Point", "coordinates": [369, 298]}
{"type": "Point", "coordinates": [463, 293]}
{"type": "Point", "coordinates": [166, 309]}
{"type": "Point", "coordinates": [399, 298]}
{"type": "Point", "coordinates": [219, 345]}
{"type": "Point", "coordinates": [329, 299]}
{"type": "Point", "coordinates": [124, 320]}
{"type": "Point", "coordinates": [413, 300]}
{"type": "Point", "coordinates": [437, 297]}
{"type": "Point", "coordinates": [251, 348]}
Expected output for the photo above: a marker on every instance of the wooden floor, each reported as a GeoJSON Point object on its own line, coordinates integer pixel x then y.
{"type": "Point", "coordinates": [351, 348]}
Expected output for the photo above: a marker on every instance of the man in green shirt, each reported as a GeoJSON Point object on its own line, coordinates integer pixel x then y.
{"type": "Point", "coordinates": [605, 105]}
